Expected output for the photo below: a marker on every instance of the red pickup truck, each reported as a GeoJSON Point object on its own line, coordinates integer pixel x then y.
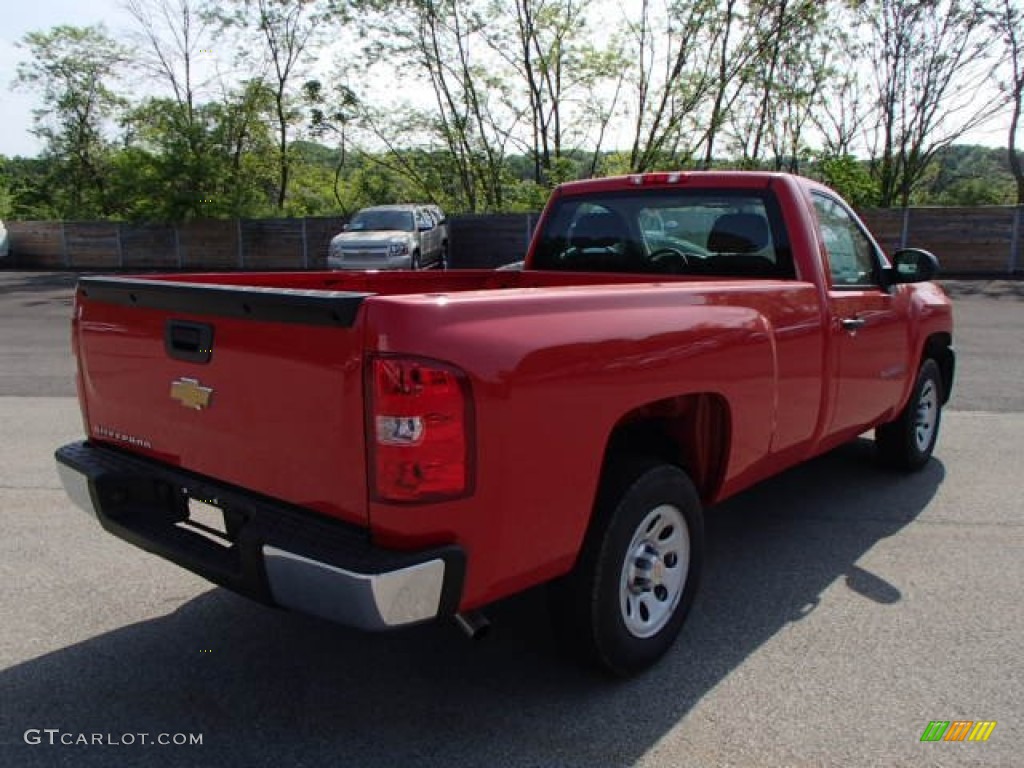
{"type": "Point", "coordinates": [382, 449]}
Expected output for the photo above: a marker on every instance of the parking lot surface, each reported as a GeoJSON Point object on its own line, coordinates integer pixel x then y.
{"type": "Point", "coordinates": [842, 609]}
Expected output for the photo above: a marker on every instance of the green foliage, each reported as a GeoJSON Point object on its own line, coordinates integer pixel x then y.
{"type": "Point", "coordinates": [482, 106]}
{"type": "Point", "coordinates": [71, 70]}
{"type": "Point", "coordinates": [276, 36]}
{"type": "Point", "coordinates": [968, 175]}
{"type": "Point", "coordinates": [149, 187]}
{"type": "Point", "coordinates": [931, 57]}
{"type": "Point", "coordinates": [971, 192]}
{"type": "Point", "coordinates": [213, 160]}
{"type": "Point", "coordinates": [29, 182]}
{"type": "Point", "coordinates": [850, 178]}
{"type": "Point", "coordinates": [6, 200]}
{"type": "Point", "coordinates": [960, 175]}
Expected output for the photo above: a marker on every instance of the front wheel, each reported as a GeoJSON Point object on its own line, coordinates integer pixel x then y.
{"type": "Point", "coordinates": [907, 442]}
{"type": "Point", "coordinates": [625, 602]}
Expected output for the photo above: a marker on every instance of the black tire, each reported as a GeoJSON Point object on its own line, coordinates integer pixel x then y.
{"type": "Point", "coordinates": [591, 606]}
{"type": "Point", "coordinates": [907, 442]}
{"type": "Point", "coordinates": [414, 263]}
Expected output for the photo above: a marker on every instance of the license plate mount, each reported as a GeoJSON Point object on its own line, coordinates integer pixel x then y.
{"type": "Point", "coordinates": [208, 520]}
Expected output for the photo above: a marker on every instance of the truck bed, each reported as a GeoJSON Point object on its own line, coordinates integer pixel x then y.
{"type": "Point", "coordinates": [282, 367]}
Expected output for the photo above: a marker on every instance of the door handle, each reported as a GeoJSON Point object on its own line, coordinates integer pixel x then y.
{"type": "Point", "coordinates": [192, 342]}
{"type": "Point", "coordinates": [852, 323]}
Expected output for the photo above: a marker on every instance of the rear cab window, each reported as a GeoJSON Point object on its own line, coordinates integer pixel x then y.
{"type": "Point", "coordinates": [675, 231]}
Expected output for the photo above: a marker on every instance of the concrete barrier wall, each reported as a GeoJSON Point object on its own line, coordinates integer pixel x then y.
{"type": "Point", "coordinates": [968, 241]}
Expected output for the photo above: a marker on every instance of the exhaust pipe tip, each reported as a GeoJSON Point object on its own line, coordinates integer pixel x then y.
{"type": "Point", "coordinates": [474, 624]}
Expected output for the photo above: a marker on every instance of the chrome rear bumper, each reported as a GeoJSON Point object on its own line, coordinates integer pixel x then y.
{"type": "Point", "coordinates": [371, 601]}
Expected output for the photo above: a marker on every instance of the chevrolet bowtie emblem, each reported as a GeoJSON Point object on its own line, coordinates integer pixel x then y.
{"type": "Point", "coordinates": [191, 394]}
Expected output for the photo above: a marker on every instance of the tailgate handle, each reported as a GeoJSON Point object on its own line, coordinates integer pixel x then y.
{"type": "Point", "coordinates": [191, 342]}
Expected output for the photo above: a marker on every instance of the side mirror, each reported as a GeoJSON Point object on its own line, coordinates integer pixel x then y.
{"type": "Point", "coordinates": [914, 265]}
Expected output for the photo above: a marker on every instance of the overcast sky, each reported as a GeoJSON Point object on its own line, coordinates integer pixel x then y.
{"type": "Point", "coordinates": [21, 16]}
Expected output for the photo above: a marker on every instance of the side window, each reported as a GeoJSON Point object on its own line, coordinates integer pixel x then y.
{"type": "Point", "coordinates": [851, 255]}
{"type": "Point", "coordinates": [423, 220]}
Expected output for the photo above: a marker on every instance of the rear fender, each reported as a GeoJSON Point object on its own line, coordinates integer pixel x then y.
{"type": "Point", "coordinates": [693, 432]}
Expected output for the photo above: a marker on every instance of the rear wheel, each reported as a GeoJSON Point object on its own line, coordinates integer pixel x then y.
{"type": "Point", "coordinates": [907, 442]}
{"type": "Point", "coordinates": [625, 602]}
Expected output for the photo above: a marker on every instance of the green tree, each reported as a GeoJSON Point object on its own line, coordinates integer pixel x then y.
{"type": "Point", "coordinates": [441, 46]}
{"type": "Point", "coordinates": [843, 108]}
{"type": "Point", "coordinates": [931, 58]}
{"type": "Point", "coordinates": [278, 38]}
{"type": "Point", "coordinates": [966, 175]}
{"type": "Point", "coordinates": [670, 79]}
{"type": "Point", "coordinates": [241, 131]}
{"type": "Point", "coordinates": [333, 114]}
{"type": "Point", "coordinates": [550, 59]}
{"type": "Point", "coordinates": [6, 199]}
{"type": "Point", "coordinates": [732, 51]}
{"type": "Point", "coordinates": [30, 182]}
{"type": "Point", "coordinates": [1007, 21]}
{"type": "Point", "coordinates": [73, 70]}
{"type": "Point", "coordinates": [173, 37]}
{"type": "Point", "coordinates": [850, 178]}
{"type": "Point", "coordinates": [223, 167]}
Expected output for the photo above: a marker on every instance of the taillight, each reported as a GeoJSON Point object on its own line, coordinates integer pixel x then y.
{"type": "Point", "coordinates": [419, 430]}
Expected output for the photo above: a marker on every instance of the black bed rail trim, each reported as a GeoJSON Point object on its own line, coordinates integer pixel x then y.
{"type": "Point", "coordinates": [248, 302]}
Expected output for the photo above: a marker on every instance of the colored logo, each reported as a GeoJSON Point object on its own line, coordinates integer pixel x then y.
{"type": "Point", "coordinates": [958, 730]}
{"type": "Point", "coordinates": [191, 394]}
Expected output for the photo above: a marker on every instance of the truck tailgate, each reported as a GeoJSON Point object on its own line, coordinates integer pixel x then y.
{"type": "Point", "coordinates": [257, 387]}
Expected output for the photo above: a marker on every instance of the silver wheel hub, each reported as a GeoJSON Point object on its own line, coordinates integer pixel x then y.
{"type": "Point", "coordinates": [927, 415]}
{"type": "Point", "coordinates": [654, 572]}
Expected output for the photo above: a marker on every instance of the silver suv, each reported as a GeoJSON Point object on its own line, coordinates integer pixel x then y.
{"type": "Point", "coordinates": [392, 237]}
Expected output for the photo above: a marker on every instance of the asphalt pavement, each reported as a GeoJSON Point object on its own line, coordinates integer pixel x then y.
{"type": "Point", "coordinates": [842, 609]}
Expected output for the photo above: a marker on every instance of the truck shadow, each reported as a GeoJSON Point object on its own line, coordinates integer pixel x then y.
{"type": "Point", "coordinates": [265, 687]}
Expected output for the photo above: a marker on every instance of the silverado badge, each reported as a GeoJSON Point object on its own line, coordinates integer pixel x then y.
{"type": "Point", "coordinates": [191, 394]}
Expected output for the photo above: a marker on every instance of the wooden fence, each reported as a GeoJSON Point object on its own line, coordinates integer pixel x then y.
{"type": "Point", "coordinates": [981, 241]}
